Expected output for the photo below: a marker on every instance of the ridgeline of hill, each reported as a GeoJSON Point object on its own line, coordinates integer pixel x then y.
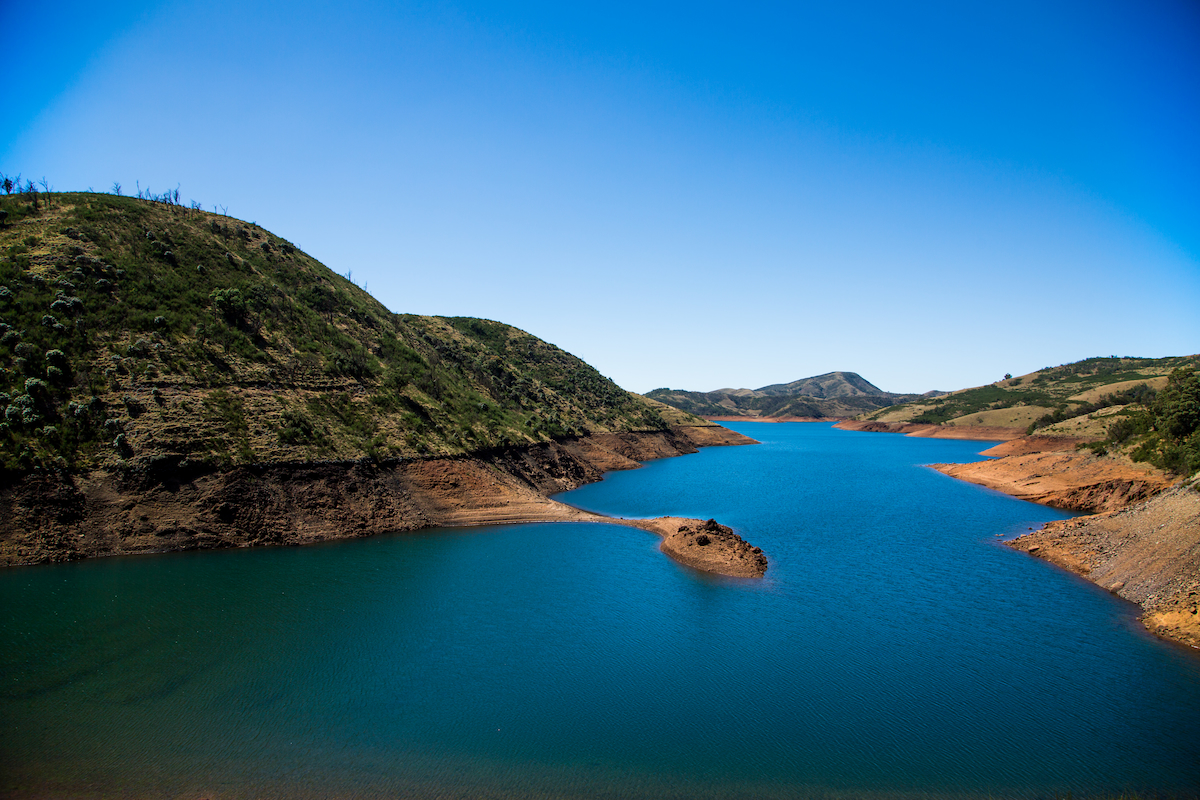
{"type": "Point", "coordinates": [834, 395]}
{"type": "Point", "coordinates": [173, 378]}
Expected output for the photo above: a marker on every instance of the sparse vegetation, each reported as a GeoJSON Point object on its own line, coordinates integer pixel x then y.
{"type": "Point", "coordinates": [1051, 395]}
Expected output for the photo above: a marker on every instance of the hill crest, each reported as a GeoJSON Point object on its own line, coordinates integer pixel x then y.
{"type": "Point", "coordinates": [133, 331]}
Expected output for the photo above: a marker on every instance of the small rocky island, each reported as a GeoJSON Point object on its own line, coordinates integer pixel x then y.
{"type": "Point", "coordinates": [707, 546]}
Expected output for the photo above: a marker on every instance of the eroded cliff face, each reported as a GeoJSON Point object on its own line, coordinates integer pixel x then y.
{"type": "Point", "coordinates": [171, 507]}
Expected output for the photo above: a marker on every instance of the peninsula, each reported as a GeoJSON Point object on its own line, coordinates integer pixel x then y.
{"type": "Point", "coordinates": [173, 379]}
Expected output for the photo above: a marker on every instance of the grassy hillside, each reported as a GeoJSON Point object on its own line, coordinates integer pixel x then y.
{"type": "Point", "coordinates": [835, 394]}
{"type": "Point", "coordinates": [1042, 398]}
{"type": "Point", "coordinates": [133, 330]}
{"type": "Point", "coordinates": [1148, 408]}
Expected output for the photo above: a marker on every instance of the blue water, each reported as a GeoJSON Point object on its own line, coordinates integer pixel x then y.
{"type": "Point", "coordinates": [894, 649]}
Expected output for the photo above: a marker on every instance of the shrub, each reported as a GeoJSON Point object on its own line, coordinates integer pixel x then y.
{"type": "Point", "coordinates": [1177, 406]}
{"type": "Point", "coordinates": [298, 428]}
{"type": "Point", "coordinates": [230, 305]}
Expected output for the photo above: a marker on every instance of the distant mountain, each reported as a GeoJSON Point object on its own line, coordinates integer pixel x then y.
{"type": "Point", "coordinates": [829, 385]}
{"type": "Point", "coordinates": [832, 395]}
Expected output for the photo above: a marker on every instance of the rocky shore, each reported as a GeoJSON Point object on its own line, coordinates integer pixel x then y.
{"type": "Point", "coordinates": [930, 431]}
{"type": "Point", "coordinates": [1141, 540]}
{"type": "Point", "coordinates": [177, 506]}
{"type": "Point", "coordinates": [1147, 553]}
{"type": "Point", "coordinates": [1051, 471]}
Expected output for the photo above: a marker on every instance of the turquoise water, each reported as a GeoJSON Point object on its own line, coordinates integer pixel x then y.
{"type": "Point", "coordinates": [895, 649]}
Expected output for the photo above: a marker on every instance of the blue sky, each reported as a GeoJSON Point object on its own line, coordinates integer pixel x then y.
{"type": "Point", "coordinates": [687, 195]}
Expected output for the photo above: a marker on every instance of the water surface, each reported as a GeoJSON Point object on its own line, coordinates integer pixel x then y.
{"type": "Point", "coordinates": [894, 649]}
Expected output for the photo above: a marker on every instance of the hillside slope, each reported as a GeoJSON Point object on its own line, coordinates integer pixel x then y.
{"type": "Point", "coordinates": [1067, 400]}
{"type": "Point", "coordinates": [172, 379]}
{"type": "Point", "coordinates": [133, 331]}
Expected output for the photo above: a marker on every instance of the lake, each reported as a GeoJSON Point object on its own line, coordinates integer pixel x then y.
{"type": "Point", "coordinates": [895, 649]}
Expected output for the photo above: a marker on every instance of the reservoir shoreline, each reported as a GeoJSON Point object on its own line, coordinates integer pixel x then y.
{"type": "Point", "coordinates": [47, 518]}
{"type": "Point", "coordinates": [1140, 538]}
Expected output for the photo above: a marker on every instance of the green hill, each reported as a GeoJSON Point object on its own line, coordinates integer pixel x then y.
{"type": "Point", "coordinates": [1148, 408]}
{"type": "Point", "coordinates": [1044, 398]}
{"type": "Point", "coordinates": [133, 331]}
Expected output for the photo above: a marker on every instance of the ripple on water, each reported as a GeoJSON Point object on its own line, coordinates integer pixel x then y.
{"type": "Point", "coordinates": [892, 651]}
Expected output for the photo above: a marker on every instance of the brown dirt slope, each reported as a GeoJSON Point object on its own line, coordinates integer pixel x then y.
{"type": "Point", "coordinates": [47, 518]}
{"type": "Point", "coordinates": [1075, 480]}
{"type": "Point", "coordinates": [1148, 553]}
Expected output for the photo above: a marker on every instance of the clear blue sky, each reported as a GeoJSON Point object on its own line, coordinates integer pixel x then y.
{"type": "Point", "coordinates": [690, 195]}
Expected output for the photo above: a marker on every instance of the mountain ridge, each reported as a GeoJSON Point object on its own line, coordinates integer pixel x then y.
{"type": "Point", "coordinates": [832, 395]}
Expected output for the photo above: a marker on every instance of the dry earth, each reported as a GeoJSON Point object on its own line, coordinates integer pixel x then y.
{"type": "Point", "coordinates": [1051, 471]}
{"type": "Point", "coordinates": [176, 507]}
{"type": "Point", "coordinates": [707, 546]}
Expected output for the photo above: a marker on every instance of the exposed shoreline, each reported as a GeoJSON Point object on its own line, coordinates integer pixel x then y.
{"type": "Point", "coordinates": [1140, 540]}
{"type": "Point", "coordinates": [1147, 553]}
{"type": "Point", "coordinates": [46, 518]}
